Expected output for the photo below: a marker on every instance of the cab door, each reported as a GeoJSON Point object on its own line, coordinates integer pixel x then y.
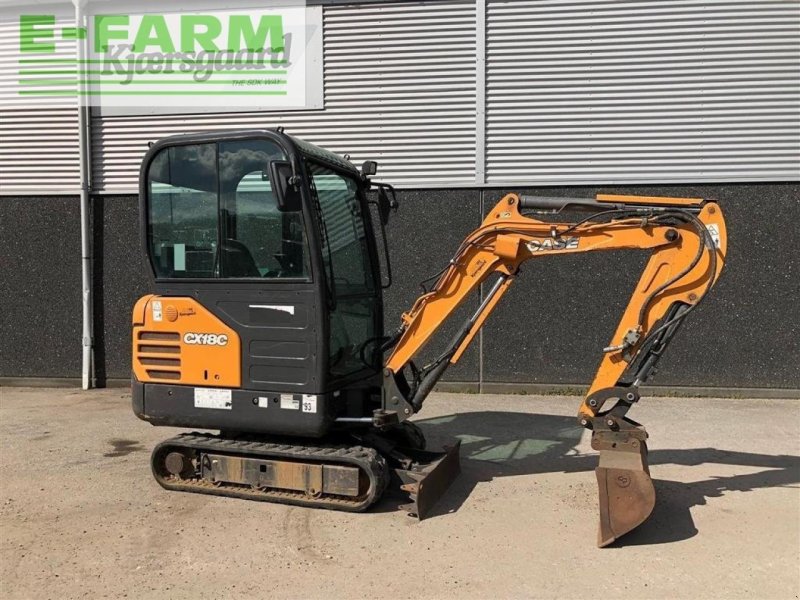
{"type": "Point", "coordinates": [355, 313]}
{"type": "Point", "coordinates": [215, 233]}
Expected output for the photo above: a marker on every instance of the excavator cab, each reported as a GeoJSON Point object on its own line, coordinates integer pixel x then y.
{"type": "Point", "coordinates": [266, 323]}
{"type": "Point", "coordinates": [263, 252]}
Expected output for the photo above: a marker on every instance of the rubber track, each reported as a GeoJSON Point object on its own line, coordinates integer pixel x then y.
{"type": "Point", "coordinates": [368, 460]}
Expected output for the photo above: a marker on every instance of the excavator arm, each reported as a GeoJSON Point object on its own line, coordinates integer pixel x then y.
{"type": "Point", "coordinates": [688, 241]}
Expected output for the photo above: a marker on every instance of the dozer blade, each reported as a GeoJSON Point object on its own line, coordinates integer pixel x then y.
{"type": "Point", "coordinates": [428, 478]}
{"type": "Point", "coordinates": [626, 492]}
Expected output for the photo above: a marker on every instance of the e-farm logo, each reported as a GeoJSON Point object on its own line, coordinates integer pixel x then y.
{"type": "Point", "coordinates": [151, 55]}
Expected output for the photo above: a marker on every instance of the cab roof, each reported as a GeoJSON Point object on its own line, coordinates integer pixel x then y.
{"type": "Point", "coordinates": [322, 154]}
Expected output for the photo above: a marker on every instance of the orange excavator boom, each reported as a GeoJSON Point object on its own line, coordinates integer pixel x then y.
{"type": "Point", "coordinates": [688, 241]}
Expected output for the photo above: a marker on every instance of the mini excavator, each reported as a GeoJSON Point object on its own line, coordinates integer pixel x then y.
{"type": "Point", "coordinates": [266, 323]}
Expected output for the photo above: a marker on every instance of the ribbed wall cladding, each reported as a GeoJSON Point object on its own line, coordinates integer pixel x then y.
{"type": "Point", "coordinates": [399, 82]}
{"type": "Point", "coordinates": [659, 91]}
{"type": "Point", "coordinates": [578, 91]}
{"type": "Point", "coordinates": [38, 142]}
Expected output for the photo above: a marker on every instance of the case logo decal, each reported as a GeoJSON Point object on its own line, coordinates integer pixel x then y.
{"type": "Point", "coordinates": [569, 243]}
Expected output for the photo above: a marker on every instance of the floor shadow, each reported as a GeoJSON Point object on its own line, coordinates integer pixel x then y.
{"type": "Point", "coordinates": [123, 448]}
{"type": "Point", "coordinates": [498, 444]}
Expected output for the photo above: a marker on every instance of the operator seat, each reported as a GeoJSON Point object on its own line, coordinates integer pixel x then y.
{"type": "Point", "coordinates": [236, 259]}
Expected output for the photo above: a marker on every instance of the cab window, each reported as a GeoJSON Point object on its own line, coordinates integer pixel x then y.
{"type": "Point", "coordinates": [344, 240]}
{"type": "Point", "coordinates": [213, 214]}
{"type": "Point", "coordinates": [182, 224]}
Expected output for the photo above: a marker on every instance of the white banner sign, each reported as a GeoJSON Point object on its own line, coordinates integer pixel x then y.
{"type": "Point", "coordinates": [265, 58]}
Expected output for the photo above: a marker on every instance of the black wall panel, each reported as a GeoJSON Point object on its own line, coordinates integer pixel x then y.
{"type": "Point", "coordinates": [550, 327]}
{"type": "Point", "coordinates": [561, 312]}
{"type": "Point", "coordinates": [120, 279]}
{"type": "Point", "coordinates": [40, 287]}
{"type": "Point", "coordinates": [423, 235]}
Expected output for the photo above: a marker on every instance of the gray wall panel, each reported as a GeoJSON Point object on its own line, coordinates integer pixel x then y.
{"type": "Point", "coordinates": [399, 84]}
{"type": "Point", "coordinates": [583, 92]}
{"type": "Point", "coordinates": [38, 136]}
{"type": "Point", "coordinates": [621, 92]}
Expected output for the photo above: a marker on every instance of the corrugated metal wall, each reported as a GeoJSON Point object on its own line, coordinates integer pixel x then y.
{"type": "Point", "coordinates": [399, 88]}
{"type": "Point", "coordinates": [673, 91]}
{"type": "Point", "coordinates": [576, 92]}
{"type": "Point", "coordinates": [38, 143]}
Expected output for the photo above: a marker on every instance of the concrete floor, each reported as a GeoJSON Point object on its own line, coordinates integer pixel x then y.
{"type": "Point", "coordinates": [81, 516]}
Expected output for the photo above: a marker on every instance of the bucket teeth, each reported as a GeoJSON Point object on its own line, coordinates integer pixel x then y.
{"type": "Point", "coordinates": [626, 492]}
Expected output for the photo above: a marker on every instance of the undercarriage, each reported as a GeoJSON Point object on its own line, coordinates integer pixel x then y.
{"type": "Point", "coordinates": [342, 474]}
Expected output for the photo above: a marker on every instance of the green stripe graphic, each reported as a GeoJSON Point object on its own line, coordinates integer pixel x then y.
{"type": "Point", "coordinates": [171, 72]}
{"type": "Point", "coordinates": [32, 82]}
{"type": "Point", "coordinates": [87, 61]}
{"type": "Point", "coordinates": [146, 93]}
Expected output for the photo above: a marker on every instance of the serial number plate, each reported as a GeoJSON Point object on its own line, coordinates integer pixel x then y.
{"type": "Point", "coordinates": [210, 398]}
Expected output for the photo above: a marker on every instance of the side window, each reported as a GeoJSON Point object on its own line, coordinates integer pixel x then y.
{"type": "Point", "coordinates": [183, 211]}
{"type": "Point", "coordinates": [256, 239]}
{"type": "Point", "coordinates": [344, 241]}
{"type": "Point", "coordinates": [213, 214]}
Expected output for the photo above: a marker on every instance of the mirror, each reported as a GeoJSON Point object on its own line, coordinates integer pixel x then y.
{"type": "Point", "coordinates": [286, 190]}
{"type": "Point", "coordinates": [386, 204]}
{"type": "Point", "coordinates": [370, 167]}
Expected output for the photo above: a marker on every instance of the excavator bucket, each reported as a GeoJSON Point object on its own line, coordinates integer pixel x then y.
{"type": "Point", "coordinates": [626, 492]}
{"type": "Point", "coordinates": [428, 478]}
